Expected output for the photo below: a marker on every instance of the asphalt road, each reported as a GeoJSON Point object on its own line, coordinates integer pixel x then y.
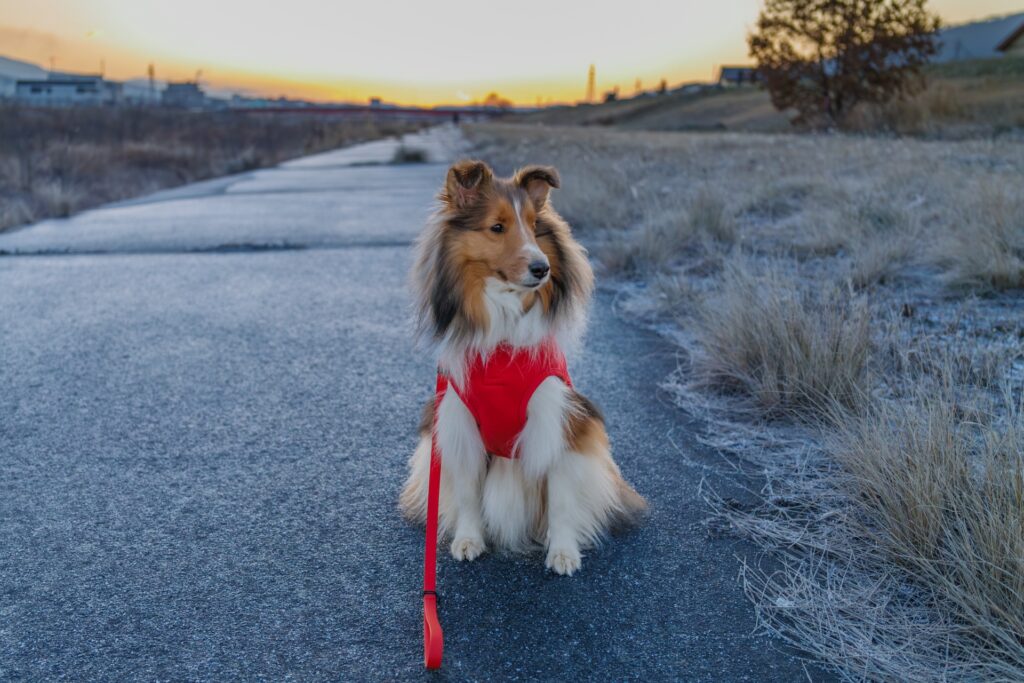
{"type": "Point", "coordinates": [206, 406]}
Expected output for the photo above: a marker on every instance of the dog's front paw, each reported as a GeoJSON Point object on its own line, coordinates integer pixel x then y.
{"type": "Point", "coordinates": [564, 560]}
{"type": "Point", "coordinates": [467, 548]}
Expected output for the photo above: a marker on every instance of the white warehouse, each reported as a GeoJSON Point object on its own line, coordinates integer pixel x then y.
{"type": "Point", "coordinates": [69, 89]}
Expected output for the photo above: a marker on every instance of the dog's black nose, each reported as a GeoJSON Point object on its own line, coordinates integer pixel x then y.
{"type": "Point", "coordinates": [539, 269]}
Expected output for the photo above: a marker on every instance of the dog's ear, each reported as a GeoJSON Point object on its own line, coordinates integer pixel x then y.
{"type": "Point", "coordinates": [537, 181]}
{"type": "Point", "coordinates": [467, 179]}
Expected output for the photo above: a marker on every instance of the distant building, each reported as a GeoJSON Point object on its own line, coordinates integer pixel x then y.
{"type": "Point", "coordinates": [980, 39]}
{"type": "Point", "coordinates": [737, 75]}
{"type": "Point", "coordinates": [139, 93]}
{"type": "Point", "coordinates": [65, 90]}
{"type": "Point", "coordinates": [185, 95]}
{"type": "Point", "coordinates": [1014, 43]}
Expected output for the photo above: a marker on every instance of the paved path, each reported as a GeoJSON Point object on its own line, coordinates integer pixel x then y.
{"type": "Point", "coordinates": [205, 412]}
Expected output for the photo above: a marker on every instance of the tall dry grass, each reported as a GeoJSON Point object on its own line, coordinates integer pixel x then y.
{"type": "Point", "coordinates": [941, 493]}
{"type": "Point", "coordinates": [935, 499]}
{"type": "Point", "coordinates": [905, 562]}
{"type": "Point", "coordinates": [792, 350]}
{"type": "Point", "coordinates": [987, 251]}
{"type": "Point", "coordinates": [54, 162]}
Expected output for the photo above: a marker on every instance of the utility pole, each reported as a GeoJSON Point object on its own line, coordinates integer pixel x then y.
{"type": "Point", "coordinates": [591, 78]}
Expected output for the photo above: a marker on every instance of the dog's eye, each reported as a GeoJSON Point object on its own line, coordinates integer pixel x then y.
{"type": "Point", "coordinates": [497, 227]}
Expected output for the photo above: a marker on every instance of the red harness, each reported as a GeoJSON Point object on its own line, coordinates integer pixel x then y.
{"type": "Point", "coordinates": [496, 391]}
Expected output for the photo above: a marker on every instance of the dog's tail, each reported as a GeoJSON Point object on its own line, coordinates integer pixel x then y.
{"type": "Point", "coordinates": [632, 506]}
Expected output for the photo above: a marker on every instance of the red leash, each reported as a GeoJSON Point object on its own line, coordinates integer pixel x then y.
{"type": "Point", "coordinates": [502, 385]}
{"type": "Point", "coordinates": [433, 638]}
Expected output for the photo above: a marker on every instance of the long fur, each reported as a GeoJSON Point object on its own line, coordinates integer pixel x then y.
{"type": "Point", "coordinates": [452, 311]}
{"type": "Point", "coordinates": [564, 490]}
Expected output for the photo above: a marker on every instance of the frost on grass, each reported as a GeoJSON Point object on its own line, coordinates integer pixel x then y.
{"type": "Point", "coordinates": [901, 543]}
{"type": "Point", "coordinates": [850, 314]}
{"type": "Point", "coordinates": [987, 252]}
{"type": "Point", "coordinates": [792, 349]}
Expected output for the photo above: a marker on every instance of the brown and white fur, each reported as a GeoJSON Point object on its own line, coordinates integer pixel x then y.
{"type": "Point", "coordinates": [498, 264]}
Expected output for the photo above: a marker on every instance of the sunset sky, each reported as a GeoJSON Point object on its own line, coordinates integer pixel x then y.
{"type": "Point", "coordinates": [450, 51]}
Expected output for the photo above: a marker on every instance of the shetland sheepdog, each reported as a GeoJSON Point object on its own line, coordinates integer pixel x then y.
{"type": "Point", "coordinates": [497, 265]}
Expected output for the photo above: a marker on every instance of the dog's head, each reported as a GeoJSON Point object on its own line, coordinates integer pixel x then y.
{"type": "Point", "coordinates": [501, 230]}
{"type": "Point", "coordinates": [496, 221]}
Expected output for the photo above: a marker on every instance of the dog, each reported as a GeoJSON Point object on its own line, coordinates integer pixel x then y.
{"type": "Point", "coordinates": [500, 281]}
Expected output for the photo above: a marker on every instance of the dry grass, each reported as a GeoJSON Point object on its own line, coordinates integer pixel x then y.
{"type": "Point", "coordinates": [792, 350]}
{"type": "Point", "coordinates": [924, 114]}
{"type": "Point", "coordinates": [962, 99]}
{"type": "Point", "coordinates": [982, 97]}
{"type": "Point", "coordinates": [878, 205]}
{"type": "Point", "coordinates": [908, 563]}
{"type": "Point", "coordinates": [866, 295]}
{"type": "Point", "coordinates": [898, 531]}
{"type": "Point", "coordinates": [711, 216]}
{"type": "Point", "coordinates": [702, 224]}
{"type": "Point", "coordinates": [673, 293]}
{"type": "Point", "coordinates": [880, 259]}
{"type": "Point", "coordinates": [54, 162]}
{"type": "Point", "coordinates": [988, 251]}
{"type": "Point", "coordinates": [943, 496]}
{"type": "Point", "coordinates": [747, 109]}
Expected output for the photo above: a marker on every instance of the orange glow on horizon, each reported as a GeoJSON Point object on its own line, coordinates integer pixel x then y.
{"type": "Point", "coordinates": [446, 52]}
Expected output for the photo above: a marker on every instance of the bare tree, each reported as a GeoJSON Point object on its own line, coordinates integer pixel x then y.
{"type": "Point", "coordinates": [824, 57]}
